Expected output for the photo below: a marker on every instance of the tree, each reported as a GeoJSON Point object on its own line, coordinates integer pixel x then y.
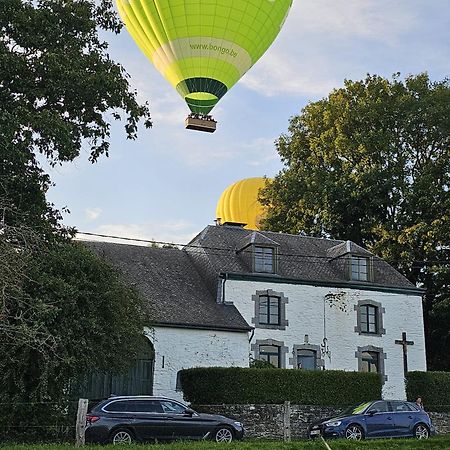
{"type": "Point", "coordinates": [82, 311]}
{"type": "Point", "coordinates": [63, 311]}
{"type": "Point", "coordinates": [371, 163]}
{"type": "Point", "coordinates": [59, 90]}
{"type": "Point", "coordinates": [64, 314]}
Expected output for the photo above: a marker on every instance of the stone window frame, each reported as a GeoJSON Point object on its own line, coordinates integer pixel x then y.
{"type": "Point", "coordinates": [369, 266]}
{"type": "Point", "coordinates": [274, 258]}
{"type": "Point", "coordinates": [380, 311]}
{"type": "Point", "coordinates": [280, 344]}
{"type": "Point", "coordinates": [381, 358]}
{"type": "Point", "coordinates": [283, 322]}
{"type": "Point", "coordinates": [320, 363]}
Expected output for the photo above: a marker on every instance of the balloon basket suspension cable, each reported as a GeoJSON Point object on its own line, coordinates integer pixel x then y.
{"type": "Point", "coordinates": [200, 122]}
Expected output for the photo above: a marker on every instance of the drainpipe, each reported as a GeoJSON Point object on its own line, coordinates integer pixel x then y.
{"type": "Point", "coordinates": [221, 289]}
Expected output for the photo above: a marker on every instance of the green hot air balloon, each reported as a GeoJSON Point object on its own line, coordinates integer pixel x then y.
{"type": "Point", "coordinates": [203, 47]}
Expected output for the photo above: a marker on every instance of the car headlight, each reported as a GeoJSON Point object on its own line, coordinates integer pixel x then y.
{"type": "Point", "coordinates": [238, 424]}
{"type": "Point", "coordinates": [335, 423]}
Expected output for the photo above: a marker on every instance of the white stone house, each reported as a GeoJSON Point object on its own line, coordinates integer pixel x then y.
{"type": "Point", "coordinates": [298, 302]}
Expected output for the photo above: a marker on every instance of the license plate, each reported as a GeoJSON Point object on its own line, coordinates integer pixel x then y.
{"type": "Point", "coordinates": [314, 432]}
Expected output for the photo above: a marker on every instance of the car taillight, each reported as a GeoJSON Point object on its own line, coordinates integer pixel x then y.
{"type": "Point", "coordinates": [92, 419]}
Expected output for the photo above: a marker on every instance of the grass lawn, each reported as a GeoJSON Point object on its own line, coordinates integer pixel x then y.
{"type": "Point", "coordinates": [440, 443]}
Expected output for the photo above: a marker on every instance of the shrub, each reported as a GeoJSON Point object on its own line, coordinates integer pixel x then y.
{"type": "Point", "coordinates": [216, 385]}
{"type": "Point", "coordinates": [260, 364]}
{"type": "Point", "coordinates": [433, 387]}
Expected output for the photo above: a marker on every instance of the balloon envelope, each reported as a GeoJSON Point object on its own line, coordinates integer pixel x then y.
{"type": "Point", "coordinates": [203, 47]}
{"type": "Point", "coordinates": [239, 203]}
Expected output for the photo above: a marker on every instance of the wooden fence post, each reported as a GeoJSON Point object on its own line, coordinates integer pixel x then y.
{"type": "Point", "coordinates": [287, 422]}
{"type": "Point", "coordinates": [80, 427]}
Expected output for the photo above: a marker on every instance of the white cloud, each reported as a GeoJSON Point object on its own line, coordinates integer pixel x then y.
{"type": "Point", "coordinates": [260, 151]}
{"type": "Point", "coordinates": [278, 74]}
{"type": "Point", "coordinates": [201, 151]}
{"type": "Point", "coordinates": [316, 43]}
{"type": "Point", "coordinates": [380, 20]}
{"type": "Point", "coordinates": [92, 213]}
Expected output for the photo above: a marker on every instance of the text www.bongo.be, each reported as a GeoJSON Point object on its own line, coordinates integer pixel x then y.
{"type": "Point", "coordinates": [214, 48]}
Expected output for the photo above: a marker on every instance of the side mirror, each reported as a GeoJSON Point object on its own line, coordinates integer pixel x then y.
{"type": "Point", "coordinates": [372, 412]}
{"type": "Point", "coordinates": [189, 412]}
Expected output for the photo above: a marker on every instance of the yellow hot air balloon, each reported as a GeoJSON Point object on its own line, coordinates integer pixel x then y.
{"type": "Point", "coordinates": [239, 203]}
{"type": "Point", "coordinates": [203, 47]}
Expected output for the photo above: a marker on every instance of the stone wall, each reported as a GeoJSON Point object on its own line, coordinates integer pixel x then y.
{"type": "Point", "coordinates": [284, 422]}
{"type": "Point", "coordinates": [272, 421]}
{"type": "Point", "coordinates": [441, 421]}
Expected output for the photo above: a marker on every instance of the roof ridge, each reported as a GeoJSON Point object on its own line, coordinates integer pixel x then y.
{"type": "Point", "coordinates": [148, 247]}
{"type": "Point", "coordinates": [300, 236]}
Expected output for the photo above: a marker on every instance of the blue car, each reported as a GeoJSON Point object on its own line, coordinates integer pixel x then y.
{"type": "Point", "coordinates": [376, 419]}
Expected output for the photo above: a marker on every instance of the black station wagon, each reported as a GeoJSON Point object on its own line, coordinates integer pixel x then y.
{"type": "Point", "coordinates": [122, 420]}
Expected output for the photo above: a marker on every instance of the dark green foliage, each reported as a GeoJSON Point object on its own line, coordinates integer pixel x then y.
{"type": "Point", "coordinates": [371, 163]}
{"type": "Point", "coordinates": [71, 315]}
{"type": "Point", "coordinates": [216, 385]}
{"type": "Point", "coordinates": [260, 364]}
{"type": "Point", "coordinates": [63, 312]}
{"type": "Point", "coordinates": [59, 85]}
{"type": "Point", "coordinates": [433, 387]}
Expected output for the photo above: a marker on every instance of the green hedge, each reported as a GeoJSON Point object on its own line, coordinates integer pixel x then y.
{"type": "Point", "coordinates": [216, 385]}
{"type": "Point", "coordinates": [433, 387]}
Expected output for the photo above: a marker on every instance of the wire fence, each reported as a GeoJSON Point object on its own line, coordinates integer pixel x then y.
{"type": "Point", "coordinates": [38, 422]}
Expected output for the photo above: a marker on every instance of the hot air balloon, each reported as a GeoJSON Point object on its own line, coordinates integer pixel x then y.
{"type": "Point", "coordinates": [239, 203]}
{"type": "Point", "coordinates": [203, 47]}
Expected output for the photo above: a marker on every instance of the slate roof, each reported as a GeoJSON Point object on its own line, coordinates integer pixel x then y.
{"type": "Point", "coordinates": [256, 238]}
{"type": "Point", "coordinates": [216, 250]}
{"type": "Point", "coordinates": [182, 286]}
{"type": "Point", "coordinates": [176, 293]}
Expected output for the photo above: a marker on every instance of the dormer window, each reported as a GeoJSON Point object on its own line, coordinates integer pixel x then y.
{"type": "Point", "coordinates": [359, 268]}
{"type": "Point", "coordinates": [264, 259]}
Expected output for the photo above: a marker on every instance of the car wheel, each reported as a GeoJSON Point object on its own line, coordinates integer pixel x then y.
{"type": "Point", "coordinates": [354, 433]}
{"type": "Point", "coordinates": [223, 434]}
{"type": "Point", "coordinates": [121, 436]}
{"type": "Point", "coordinates": [421, 431]}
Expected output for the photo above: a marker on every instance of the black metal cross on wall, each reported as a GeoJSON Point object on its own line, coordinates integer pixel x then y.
{"type": "Point", "coordinates": [404, 343]}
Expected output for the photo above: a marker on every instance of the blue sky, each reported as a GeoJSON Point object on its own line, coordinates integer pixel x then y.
{"type": "Point", "coordinates": [165, 185]}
